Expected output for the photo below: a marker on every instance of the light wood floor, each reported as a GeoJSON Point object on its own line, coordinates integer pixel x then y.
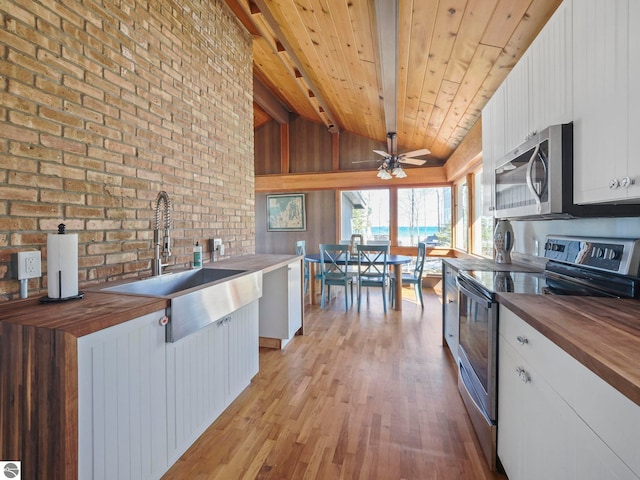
{"type": "Point", "coordinates": [359, 396]}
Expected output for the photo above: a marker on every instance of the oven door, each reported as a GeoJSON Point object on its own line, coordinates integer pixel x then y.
{"type": "Point", "coordinates": [478, 346]}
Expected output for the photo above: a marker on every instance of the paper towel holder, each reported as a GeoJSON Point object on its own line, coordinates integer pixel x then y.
{"type": "Point", "coordinates": [48, 299]}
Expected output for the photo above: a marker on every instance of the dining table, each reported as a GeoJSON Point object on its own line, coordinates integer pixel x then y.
{"type": "Point", "coordinates": [394, 261]}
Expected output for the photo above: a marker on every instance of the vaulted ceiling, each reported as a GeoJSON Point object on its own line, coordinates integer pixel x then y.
{"type": "Point", "coordinates": [421, 68]}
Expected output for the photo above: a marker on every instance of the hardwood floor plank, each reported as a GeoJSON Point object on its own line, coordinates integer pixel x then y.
{"type": "Point", "coordinates": [359, 396]}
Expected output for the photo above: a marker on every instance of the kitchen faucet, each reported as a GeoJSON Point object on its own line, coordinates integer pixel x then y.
{"type": "Point", "coordinates": [156, 268]}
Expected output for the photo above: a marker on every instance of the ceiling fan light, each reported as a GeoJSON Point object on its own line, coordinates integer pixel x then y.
{"type": "Point", "coordinates": [398, 172]}
{"type": "Point", "coordinates": [384, 174]}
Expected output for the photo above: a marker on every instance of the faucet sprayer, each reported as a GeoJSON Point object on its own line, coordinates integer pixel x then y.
{"type": "Point", "coordinates": [163, 198]}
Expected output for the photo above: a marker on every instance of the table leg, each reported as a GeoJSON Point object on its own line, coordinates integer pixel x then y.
{"type": "Point", "coordinates": [312, 282]}
{"type": "Point", "coordinates": [397, 271]}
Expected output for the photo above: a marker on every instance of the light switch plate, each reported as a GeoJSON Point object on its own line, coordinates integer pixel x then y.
{"type": "Point", "coordinates": [29, 265]}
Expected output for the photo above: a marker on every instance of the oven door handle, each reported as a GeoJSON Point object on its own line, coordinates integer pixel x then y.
{"type": "Point", "coordinates": [470, 292]}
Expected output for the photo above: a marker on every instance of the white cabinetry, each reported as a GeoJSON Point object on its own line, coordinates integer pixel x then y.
{"type": "Point", "coordinates": [450, 317]}
{"type": "Point", "coordinates": [206, 371]}
{"type": "Point", "coordinates": [122, 409]}
{"type": "Point", "coordinates": [556, 419]}
{"type": "Point", "coordinates": [551, 84]}
{"type": "Point", "coordinates": [602, 90]}
{"type": "Point", "coordinates": [142, 402]}
{"type": "Point", "coordinates": [536, 94]}
{"type": "Point", "coordinates": [281, 303]}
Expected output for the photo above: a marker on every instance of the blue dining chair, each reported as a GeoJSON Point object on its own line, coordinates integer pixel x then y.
{"type": "Point", "coordinates": [411, 278]}
{"type": "Point", "coordinates": [373, 270]}
{"type": "Point", "coordinates": [301, 249]}
{"type": "Point", "coordinates": [334, 262]}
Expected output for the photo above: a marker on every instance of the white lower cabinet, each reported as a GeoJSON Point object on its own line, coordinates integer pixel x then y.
{"type": "Point", "coordinates": [122, 401]}
{"type": "Point", "coordinates": [281, 303]}
{"type": "Point", "coordinates": [206, 371]}
{"type": "Point", "coordinates": [142, 402]}
{"type": "Point", "coordinates": [547, 427]}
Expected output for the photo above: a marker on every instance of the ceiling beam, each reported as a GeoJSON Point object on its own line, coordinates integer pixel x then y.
{"type": "Point", "coordinates": [387, 27]}
{"type": "Point", "coordinates": [270, 104]}
{"type": "Point", "coordinates": [316, 98]}
{"type": "Point", "coordinates": [357, 179]}
{"type": "Point", "coordinates": [244, 18]}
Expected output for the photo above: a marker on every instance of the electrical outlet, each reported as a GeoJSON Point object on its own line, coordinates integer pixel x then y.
{"type": "Point", "coordinates": [29, 265]}
{"type": "Point", "coordinates": [217, 242]}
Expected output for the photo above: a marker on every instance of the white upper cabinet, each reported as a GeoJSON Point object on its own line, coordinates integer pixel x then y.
{"type": "Point", "coordinates": [493, 144]}
{"type": "Point", "coordinates": [606, 97]}
{"type": "Point", "coordinates": [536, 94]}
{"type": "Point", "coordinates": [550, 94]}
{"type": "Point", "coordinates": [518, 121]}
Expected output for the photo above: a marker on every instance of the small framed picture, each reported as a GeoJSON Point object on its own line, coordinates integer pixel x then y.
{"type": "Point", "coordinates": [286, 213]}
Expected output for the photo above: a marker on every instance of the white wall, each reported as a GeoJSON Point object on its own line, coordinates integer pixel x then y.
{"type": "Point", "coordinates": [527, 232]}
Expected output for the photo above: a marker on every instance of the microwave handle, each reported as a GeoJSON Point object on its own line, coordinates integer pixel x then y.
{"type": "Point", "coordinates": [535, 194]}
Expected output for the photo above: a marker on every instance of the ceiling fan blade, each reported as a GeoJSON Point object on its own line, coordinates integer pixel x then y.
{"type": "Point", "coordinates": [415, 153]}
{"type": "Point", "coordinates": [412, 161]}
{"type": "Point", "coordinates": [377, 160]}
{"type": "Point", "coordinates": [380, 152]}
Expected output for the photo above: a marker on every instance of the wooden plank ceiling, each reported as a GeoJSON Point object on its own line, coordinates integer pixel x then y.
{"type": "Point", "coordinates": [322, 60]}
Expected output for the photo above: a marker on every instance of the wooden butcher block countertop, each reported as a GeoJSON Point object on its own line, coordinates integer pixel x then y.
{"type": "Point", "coordinates": [601, 333]}
{"type": "Point", "coordinates": [468, 263]}
{"type": "Point", "coordinates": [98, 310]}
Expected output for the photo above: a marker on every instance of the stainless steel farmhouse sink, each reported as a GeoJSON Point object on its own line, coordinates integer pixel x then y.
{"type": "Point", "coordinates": [197, 297]}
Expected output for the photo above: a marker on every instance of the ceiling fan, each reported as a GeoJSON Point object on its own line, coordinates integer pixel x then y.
{"type": "Point", "coordinates": [392, 159]}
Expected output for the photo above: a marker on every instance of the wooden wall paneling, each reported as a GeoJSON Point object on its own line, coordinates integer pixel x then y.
{"type": "Point", "coordinates": [354, 148]}
{"type": "Point", "coordinates": [335, 151]}
{"type": "Point", "coordinates": [321, 215]}
{"type": "Point", "coordinates": [267, 149]}
{"type": "Point", "coordinates": [310, 147]}
{"type": "Point", "coordinates": [285, 165]}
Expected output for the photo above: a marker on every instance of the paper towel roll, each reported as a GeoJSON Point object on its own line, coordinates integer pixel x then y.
{"type": "Point", "coordinates": [62, 265]}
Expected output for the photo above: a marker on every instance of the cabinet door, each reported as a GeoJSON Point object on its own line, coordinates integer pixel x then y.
{"type": "Point", "coordinates": [532, 421]}
{"type": "Point", "coordinates": [517, 85]}
{"type": "Point", "coordinates": [294, 287]}
{"type": "Point", "coordinates": [488, 178]}
{"type": "Point", "coordinates": [196, 380]}
{"type": "Point", "coordinates": [451, 314]}
{"type": "Point", "coordinates": [600, 98]}
{"type": "Point", "coordinates": [243, 349]}
{"type": "Point", "coordinates": [633, 164]}
{"type": "Point", "coordinates": [122, 411]}
{"type": "Point", "coordinates": [551, 98]}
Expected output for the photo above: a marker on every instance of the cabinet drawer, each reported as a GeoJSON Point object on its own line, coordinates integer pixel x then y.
{"type": "Point", "coordinates": [611, 415]}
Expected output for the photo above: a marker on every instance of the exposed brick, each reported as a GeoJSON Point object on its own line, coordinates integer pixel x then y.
{"type": "Point", "coordinates": [118, 104]}
{"type": "Point", "coordinates": [34, 210]}
{"type": "Point", "coordinates": [72, 211]}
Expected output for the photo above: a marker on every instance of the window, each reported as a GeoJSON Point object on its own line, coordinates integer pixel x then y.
{"type": "Point", "coordinates": [482, 243]}
{"type": "Point", "coordinates": [365, 212]}
{"type": "Point", "coordinates": [424, 214]}
{"type": "Point", "coordinates": [462, 216]}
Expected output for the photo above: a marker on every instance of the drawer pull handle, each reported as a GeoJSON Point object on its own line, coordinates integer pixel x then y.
{"type": "Point", "coordinates": [522, 340]}
{"type": "Point", "coordinates": [524, 376]}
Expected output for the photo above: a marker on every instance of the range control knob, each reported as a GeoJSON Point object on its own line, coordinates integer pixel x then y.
{"type": "Point", "coordinates": [614, 183]}
{"type": "Point", "coordinates": [626, 182]}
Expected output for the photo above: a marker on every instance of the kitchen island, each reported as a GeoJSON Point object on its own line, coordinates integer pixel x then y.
{"type": "Point", "coordinates": [39, 362]}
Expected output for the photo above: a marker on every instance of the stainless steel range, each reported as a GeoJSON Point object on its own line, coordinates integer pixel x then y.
{"type": "Point", "coordinates": [575, 266]}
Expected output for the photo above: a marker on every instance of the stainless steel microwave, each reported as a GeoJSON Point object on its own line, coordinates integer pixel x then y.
{"type": "Point", "coordinates": [535, 179]}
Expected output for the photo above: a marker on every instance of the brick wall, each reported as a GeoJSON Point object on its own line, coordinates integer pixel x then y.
{"type": "Point", "coordinates": [103, 104]}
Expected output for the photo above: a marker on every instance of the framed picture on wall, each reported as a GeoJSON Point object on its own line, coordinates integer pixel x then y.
{"type": "Point", "coordinates": [286, 213]}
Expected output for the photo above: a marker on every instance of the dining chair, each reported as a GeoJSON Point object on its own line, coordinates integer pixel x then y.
{"type": "Point", "coordinates": [411, 278]}
{"type": "Point", "coordinates": [334, 262]}
{"type": "Point", "coordinates": [373, 270]}
{"type": "Point", "coordinates": [301, 249]}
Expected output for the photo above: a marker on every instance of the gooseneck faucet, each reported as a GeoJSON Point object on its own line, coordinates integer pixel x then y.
{"type": "Point", "coordinates": [156, 268]}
